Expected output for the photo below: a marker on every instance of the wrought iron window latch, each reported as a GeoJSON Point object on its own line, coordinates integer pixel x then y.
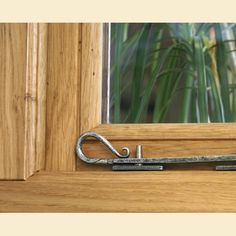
{"type": "Point", "coordinates": [124, 162]}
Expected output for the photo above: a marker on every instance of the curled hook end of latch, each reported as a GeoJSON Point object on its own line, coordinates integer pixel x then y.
{"type": "Point", "coordinates": [126, 152]}
{"type": "Point", "coordinates": [108, 145]}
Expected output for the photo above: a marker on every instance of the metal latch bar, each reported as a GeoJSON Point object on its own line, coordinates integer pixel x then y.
{"type": "Point", "coordinates": [125, 163]}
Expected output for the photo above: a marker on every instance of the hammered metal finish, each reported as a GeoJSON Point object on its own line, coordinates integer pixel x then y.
{"type": "Point", "coordinates": [123, 162]}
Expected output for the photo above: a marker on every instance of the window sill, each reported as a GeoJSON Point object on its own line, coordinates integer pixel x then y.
{"type": "Point", "coordinates": [167, 191]}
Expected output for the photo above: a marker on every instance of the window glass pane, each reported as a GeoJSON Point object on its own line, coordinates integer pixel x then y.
{"type": "Point", "coordinates": [172, 73]}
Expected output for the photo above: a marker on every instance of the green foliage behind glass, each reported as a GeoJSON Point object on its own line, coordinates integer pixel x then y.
{"type": "Point", "coordinates": [173, 72]}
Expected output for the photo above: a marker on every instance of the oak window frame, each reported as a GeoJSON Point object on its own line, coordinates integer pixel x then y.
{"type": "Point", "coordinates": [93, 189]}
{"type": "Point", "coordinates": [91, 103]}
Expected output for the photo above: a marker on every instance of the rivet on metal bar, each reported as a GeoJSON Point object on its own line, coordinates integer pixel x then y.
{"type": "Point", "coordinates": [123, 162]}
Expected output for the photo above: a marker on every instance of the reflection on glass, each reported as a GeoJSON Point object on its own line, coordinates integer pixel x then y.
{"type": "Point", "coordinates": [172, 72]}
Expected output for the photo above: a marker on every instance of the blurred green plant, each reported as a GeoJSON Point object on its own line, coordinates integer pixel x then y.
{"type": "Point", "coordinates": [173, 72]}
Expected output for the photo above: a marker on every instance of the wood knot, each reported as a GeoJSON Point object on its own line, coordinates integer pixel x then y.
{"type": "Point", "coordinates": [29, 97]}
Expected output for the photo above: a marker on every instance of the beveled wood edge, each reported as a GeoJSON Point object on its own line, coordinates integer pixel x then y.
{"type": "Point", "coordinates": [35, 115]}
{"type": "Point", "coordinates": [167, 131]}
{"type": "Point", "coordinates": [41, 95]}
{"type": "Point", "coordinates": [30, 100]}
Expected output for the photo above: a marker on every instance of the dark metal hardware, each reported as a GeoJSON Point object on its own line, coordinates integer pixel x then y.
{"type": "Point", "coordinates": [125, 163]}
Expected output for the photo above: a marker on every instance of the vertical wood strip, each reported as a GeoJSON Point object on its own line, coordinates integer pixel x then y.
{"type": "Point", "coordinates": [79, 88]}
{"type": "Point", "coordinates": [62, 96]}
{"type": "Point", "coordinates": [41, 96]}
{"type": "Point", "coordinates": [91, 80]}
{"type": "Point", "coordinates": [18, 82]}
{"type": "Point", "coordinates": [12, 106]}
{"type": "Point", "coordinates": [30, 100]}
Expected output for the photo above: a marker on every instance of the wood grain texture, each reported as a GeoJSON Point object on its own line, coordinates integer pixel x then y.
{"type": "Point", "coordinates": [91, 77]}
{"type": "Point", "coordinates": [168, 191]}
{"type": "Point", "coordinates": [41, 96]}
{"type": "Point", "coordinates": [63, 77]}
{"type": "Point", "coordinates": [73, 105]}
{"type": "Point", "coordinates": [167, 131]}
{"type": "Point", "coordinates": [18, 75]}
{"type": "Point", "coordinates": [30, 100]}
{"type": "Point", "coordinates": [13, 47]}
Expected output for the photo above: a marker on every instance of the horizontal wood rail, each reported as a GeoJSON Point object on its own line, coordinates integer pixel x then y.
{"type": "Point", "coordinates": [170, 191]}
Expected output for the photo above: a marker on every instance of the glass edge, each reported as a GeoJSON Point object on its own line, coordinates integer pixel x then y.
{"type": "Point", "coordinates": [106, 73]}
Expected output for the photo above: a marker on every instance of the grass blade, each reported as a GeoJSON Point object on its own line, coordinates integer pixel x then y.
{"type": "Point", "coordinates": [202, 79]}
{"type": "Point", "coordinates": [156, 74]}
{"type": "Point", "coordinates": [222, 71]}
{"type": "Point", "coordinates": [139, 71]}
{"type": "Point", "coordinates": [119, 30]}
{"type": "Point", "coordinates": [164, 89]}
{"type": "Point", "coordinates": [187, 97]}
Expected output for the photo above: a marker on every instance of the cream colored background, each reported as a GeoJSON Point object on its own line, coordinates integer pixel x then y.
{"type": "Point", "coordinates": [117, 224]}
{"type": "Point", "coordinates": [117, 11]}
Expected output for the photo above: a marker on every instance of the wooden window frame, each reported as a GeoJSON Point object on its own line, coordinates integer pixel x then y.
{"type": "Point", "coordinates": [58, 187]}
{"type": "Point", "coordinates": [91, 100]}
{"type": "Point", "coordinates": [131, 134]}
